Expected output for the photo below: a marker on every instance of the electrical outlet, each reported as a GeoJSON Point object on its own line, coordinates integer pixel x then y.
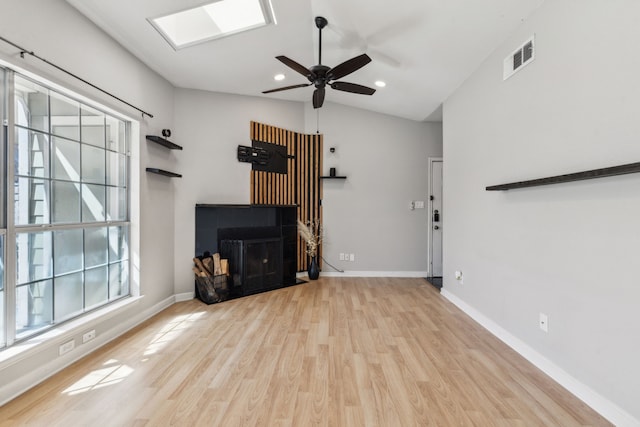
{"type": "Point", "coordinates": [544, 322]}
{"type": "Point", "coordinates": [66, 347]}
{"type": "Point", "coordinates": [88, 336]}
{"type": "Point", "coordinates": [341, 256]}
{"type": "Point", "coordinates": [352, 257]}
{"type": "Point", "coordinates": [459, 277]}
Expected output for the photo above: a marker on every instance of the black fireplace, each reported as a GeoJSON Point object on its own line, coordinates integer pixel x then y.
{"type": "Point", "coordinates": [255, 264]}
{"type": "Point", "coordinates": [258, 240]}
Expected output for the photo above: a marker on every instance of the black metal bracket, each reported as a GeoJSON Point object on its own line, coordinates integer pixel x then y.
{"type": "Point", "coordinates": [253, 155]}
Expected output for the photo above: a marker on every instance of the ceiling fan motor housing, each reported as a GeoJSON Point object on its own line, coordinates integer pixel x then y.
{"type": "Point", "coordinates": [321, 22]}
{"type": "Point", "coordinates": [319, 75]}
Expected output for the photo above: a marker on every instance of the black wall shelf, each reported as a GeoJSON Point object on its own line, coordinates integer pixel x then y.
{"type": "Point", "coordinates": [167, 144]}
{"type": "Point", "coordinates": [164, 172]}
{"type": "Point", "coordinates": [578, 176]}
{"type": "Point", "coordinates": [333, 177]}
{"type": "Point", "coordinates": [164, 142]}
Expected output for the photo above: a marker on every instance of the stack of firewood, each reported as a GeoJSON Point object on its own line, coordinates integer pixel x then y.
{"type": "Point", "coordinates": [211, 277]}
{"type": "Point", "coordinates": [210, 266]}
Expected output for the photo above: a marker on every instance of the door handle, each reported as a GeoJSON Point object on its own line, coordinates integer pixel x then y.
{"type": "Point", "coordinates": [435, 227]}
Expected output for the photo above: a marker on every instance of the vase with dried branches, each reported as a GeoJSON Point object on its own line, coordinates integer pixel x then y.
{"type": "Point", "coordinates": [311, 233]}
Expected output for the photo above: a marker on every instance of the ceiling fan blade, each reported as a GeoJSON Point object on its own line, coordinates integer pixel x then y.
{"type": "Point", "coordinates": [318, 97]}
{"type": "Point", "coordinates": [295, 66]}
{"type": "Point", "coordinates": [353, 88]}
{"type": "Point", "coordinates": [348, 67]}
{"type": "Point", "coordinates": [287, 88]}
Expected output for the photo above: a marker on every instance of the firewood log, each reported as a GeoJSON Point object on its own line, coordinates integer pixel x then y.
{"type": "Point", "coordinates": [208, 264]}
{"type": "Point", "coordinates": [224, 266]}
{"type": "Point", "coordinates": [217, 270]}
{"type": "Point", "coordinates": [199, 264]}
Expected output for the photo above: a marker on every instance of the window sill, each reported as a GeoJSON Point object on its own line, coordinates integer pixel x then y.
{"type": "Point", "coordinates": [62, 333]}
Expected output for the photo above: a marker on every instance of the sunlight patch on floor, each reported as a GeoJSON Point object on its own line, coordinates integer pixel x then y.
{"type": "Point", "coordinates": [170, 331]}
{"type": "Point", "coordinates": [113, 373]}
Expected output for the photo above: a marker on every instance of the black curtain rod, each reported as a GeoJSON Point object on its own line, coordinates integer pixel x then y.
{"type": "Point", "coordinates": [23, 51]}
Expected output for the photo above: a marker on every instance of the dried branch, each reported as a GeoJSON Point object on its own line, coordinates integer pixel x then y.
{"type": "Point", "coordinates": [311, 233]}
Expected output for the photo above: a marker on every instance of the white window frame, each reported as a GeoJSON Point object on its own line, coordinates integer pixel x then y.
{"type": "Point", "coordinates": [11, 230]}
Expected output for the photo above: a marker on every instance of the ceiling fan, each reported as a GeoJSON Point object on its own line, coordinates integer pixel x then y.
{"type": "Point", "coordinates": [320, 75]}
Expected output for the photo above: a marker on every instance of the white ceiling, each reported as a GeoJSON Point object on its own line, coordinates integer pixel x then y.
{"type": "Point", "coordinates": [422, 49]}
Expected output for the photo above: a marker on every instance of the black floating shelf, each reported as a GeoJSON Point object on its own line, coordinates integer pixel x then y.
{"type": "Point", "coordinates": [578, 176]}
{"type": "Point", "coordinates": [164, 142]}
{"type": "Point", "coordinates": [333, 177]}
{"type": "Point", "coordinates": [164, 172]}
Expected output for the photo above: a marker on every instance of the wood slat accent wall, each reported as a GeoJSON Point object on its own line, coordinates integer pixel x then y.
{"type": "Point", "coordinates": [300, 186]}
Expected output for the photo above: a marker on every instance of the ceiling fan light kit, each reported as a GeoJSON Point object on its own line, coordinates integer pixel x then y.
{"type": "Point", "coordinates": [322, 76]}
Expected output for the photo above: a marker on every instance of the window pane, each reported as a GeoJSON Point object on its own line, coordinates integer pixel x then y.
{"type": "Point", "coordinates": [117, 203]}
{"type": "Point", "coordinates": [116, 140]}
{"type": "Point", "coordinates": [93, 164]}
{"type": "Point", "coordinates": [31, 201]}
{"type": "Point", "coordinates": [1, 267]}
{"type": "Point", "coordinates": [69, 132]}
{"type": "Point", "coordinates": [93, 130]}
{"type": "Point", "coordinates": [118, 243]}
{"type": "Point", "coordinates": [31, 105]}
{"type": "Point", "coordinates": [67, 249]}
{"type": "Point", "coordinates": [116, 169]}
{"type": "Point", "coordinates": [65, 116]}
{"type": "Point", "coordinates": [70, 166]}
{"type": "Point", "coordinates": [3, 160]}
{"type": "Point", "coordinates": [34, 258]}
{"type": "Point", "coordinates": [3, 340]}
{"type": "Point", "coordinates": [96, 285]}
{"type": "Point", "coordinates": [118, 280]}
{"type": "Point", "coordinates": [34, 307]}
{"type": "Point", "coordinates": [2, 337]}
{"type": "Point", "coordinates": [31, 153]}
{"type": "Point", "coordinates": [66, 159]}
{"type": "Point", "coordinates": [66, 202]}
{"type": "Point", "coordinates": [93, 202]}
{"type": "Point", "coordinates": [68, 296]}
{"type": "Point", "coordinates": [95, 247]}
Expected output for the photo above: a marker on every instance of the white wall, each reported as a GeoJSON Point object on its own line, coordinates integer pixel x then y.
{"type": "Point", "coordinates": [569, 250]}
{"type": "Point", "coordinates": [210, 126]}
{"type": "Point", "coordinates": [385, 158]}
{"type": "Point", "coordinates": [385, 161]}
{"type": "Point", "coordinates": [55, 31]}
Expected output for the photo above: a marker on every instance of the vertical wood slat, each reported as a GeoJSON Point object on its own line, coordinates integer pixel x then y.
{"type": "Point", "coordinates": [301, 186]}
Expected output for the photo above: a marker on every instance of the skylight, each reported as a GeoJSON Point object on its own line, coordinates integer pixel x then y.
{"type": "Point", "coordinates": [213, 20]}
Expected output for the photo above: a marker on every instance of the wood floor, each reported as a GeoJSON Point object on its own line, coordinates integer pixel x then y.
{"type": "Point", "coordinates": [335, 352]}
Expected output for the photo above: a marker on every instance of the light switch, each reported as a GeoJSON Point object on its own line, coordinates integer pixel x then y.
{"type": "Point", "coordinates": [419, 204]}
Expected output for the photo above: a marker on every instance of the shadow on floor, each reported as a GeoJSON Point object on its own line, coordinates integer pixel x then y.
{"type": "Point", "coordinates": [435, 281]}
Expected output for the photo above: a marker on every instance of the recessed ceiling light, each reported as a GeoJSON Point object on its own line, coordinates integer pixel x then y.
{"type": "Point", "coordinates": [278, 77]}
{"type": "Point", "coordinates": [211, 21]}
{"type": "Point", "coordinates": [380, 83]}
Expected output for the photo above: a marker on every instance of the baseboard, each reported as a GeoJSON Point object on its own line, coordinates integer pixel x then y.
{"type": "Point", "coordinates": [34, 377]}
{"type": "Point", "coordinates": [597, 402]}
{"type": "Point", "coordinates": [348, 273]}
{"type": "Point", "coordinates": [185, 296]}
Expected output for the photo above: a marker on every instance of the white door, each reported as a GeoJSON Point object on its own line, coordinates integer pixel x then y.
{"type": "Point", "coordinates": [435, 220]}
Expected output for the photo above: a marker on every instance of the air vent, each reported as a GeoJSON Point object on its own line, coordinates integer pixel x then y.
{"type": "Point", "coordinates": [518, 59]}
